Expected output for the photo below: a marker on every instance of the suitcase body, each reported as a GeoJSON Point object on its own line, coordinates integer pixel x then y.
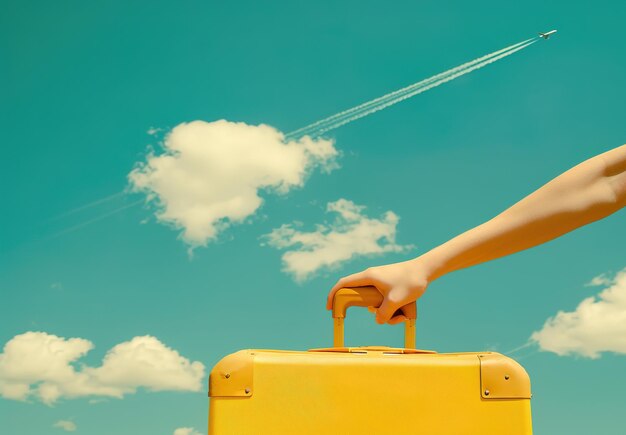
{"type": "Point", "coordinates": [368, 390]}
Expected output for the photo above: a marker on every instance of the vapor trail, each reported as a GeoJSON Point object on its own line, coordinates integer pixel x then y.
{"type": "Point", "coordinates": [387, 100]}
{"type": "Point", "coordinates": [89, 205]}
{"type": "Point", "coordinates": [96, 219]}
{"type": "Point", "coordinates": [518, 348]}
{"type": "Point", "coordinates": [417, 91]}
{"type": "Point", "coordinates": [342, 118]}
{"type": "Point", "coordinates": [409, 88]}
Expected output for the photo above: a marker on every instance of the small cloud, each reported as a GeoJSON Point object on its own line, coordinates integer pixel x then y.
{"type": "Point", "coordinates": [41, 365]}
{"type": "Point", "coordinates": [96, 401]}
{"type": "Point", "coordinates": [66, 425]}
{"type": "Point", "coordinates": [153, 131]}
{"type": "Point", "coordinates": [210, 174]}
{"type": "Point", "coordinates": [56, 286]}
{"type": "Point", "coordinates": [597, 325]}
{"type": "Point", "coordinates": [600, 280]}
{"type": "Point", "coordinates": [491, 347]}
{"type": "Point", "coordinates": [352, 234]}
{"type": "Point", "coordinates": [186, 431]}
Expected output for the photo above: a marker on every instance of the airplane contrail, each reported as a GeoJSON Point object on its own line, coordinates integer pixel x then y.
{"type": "Point", "coordinates": [88, 205]}
{"type": "Point", "coordinates": [518, 348]}
{"type": "Point", "coordinates": [95, 219]}
{"type": "Point", "coordinates": [409, 88]}
{"type": "Point", "coordinates": [332, 122]}
{"type": "Point", "coordinates": [417, 91]}
{"type": "Point", "coordinates": [380, 103]}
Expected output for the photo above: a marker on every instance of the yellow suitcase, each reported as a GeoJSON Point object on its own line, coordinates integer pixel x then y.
{"type": "Point", "coordinates": [368, 390]}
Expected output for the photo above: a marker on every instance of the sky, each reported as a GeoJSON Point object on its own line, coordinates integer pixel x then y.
{"type": "Point", "coordinates": [115, 306]}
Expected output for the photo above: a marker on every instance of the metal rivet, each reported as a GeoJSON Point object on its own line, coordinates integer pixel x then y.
{"type": "Point", "coordinates": [486, 392]}
{"type": "Point", "coordinates": [227, 375]}
{"type": "Point", "coordinates": [506, 377]}
{"type": "Point", "coordinates": [247, 390]}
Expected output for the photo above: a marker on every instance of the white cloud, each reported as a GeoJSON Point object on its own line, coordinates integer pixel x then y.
{"type": "Point", "coordinates": [211, 173]}
{"type": "Point", "coordinates": [597, 325]}
{"type": "Point", "coordinates": [186, 431]}
{"type": "Point", "coordinates": [350, 235]}
{"type": "Point", "coordinates": [41, 365]}
{"type": "Point", "coordinates": [66, 425]}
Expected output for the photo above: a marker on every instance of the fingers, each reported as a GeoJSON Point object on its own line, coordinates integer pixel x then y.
{"type": "Point", "coordinates": [394, 320]}
{"type": "Point", "coordinates": [359, 279]}
{"type": "Point", "coordinates": [397, 319]}
{"type": "Point", "coordinates": [385, 311]}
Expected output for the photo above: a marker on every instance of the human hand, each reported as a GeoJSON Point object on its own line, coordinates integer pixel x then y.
{"type": "Point", "coordinates": [399, 283]}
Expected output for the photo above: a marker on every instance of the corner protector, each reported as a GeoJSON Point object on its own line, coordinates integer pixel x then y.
{"type": "Point", "coordinates": [232, 376]}
{"type": "Point", "coordinates": [502, 377]}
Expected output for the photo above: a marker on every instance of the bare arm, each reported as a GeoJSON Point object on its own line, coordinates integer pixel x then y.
{"type": "Point", "coordinates": [586, 193]}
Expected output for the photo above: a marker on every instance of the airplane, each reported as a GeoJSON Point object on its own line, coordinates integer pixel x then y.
{"type": "Point", "coordinates": [546, 35]}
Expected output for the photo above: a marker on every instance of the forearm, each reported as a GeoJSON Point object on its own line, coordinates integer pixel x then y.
{"type": "Point", "coordinates": [586, 193]}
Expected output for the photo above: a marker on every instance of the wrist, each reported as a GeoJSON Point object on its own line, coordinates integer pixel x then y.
{"type": "Point", "coordinates": [430, 265]}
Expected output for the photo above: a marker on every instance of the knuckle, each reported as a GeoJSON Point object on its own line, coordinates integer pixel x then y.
{"type": "Point", "coordinates": [370, 272]}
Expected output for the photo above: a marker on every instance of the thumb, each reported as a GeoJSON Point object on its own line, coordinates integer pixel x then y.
{"type": "Point", "coordinates": [385, 311]}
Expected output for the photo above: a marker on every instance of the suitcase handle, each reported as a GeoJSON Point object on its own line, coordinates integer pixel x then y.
{"type": "Point", "coordinates": [367, 297]}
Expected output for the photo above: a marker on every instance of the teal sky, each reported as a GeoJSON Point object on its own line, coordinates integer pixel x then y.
{"type": "Point", "coordinates": [82, 82]}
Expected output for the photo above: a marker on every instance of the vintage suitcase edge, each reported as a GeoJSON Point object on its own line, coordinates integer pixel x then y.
{"type": "Point", "coordinates": [501, 377]}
